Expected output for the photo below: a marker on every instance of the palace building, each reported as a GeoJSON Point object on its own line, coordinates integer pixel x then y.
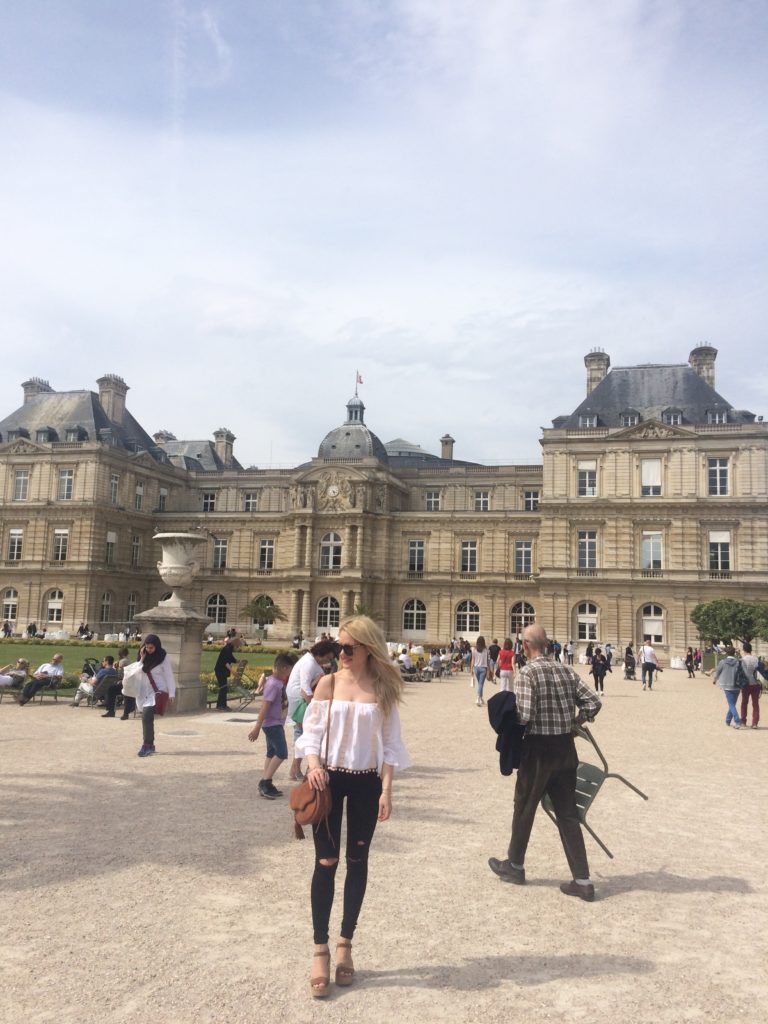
{"type": "Point", "coordinates": [650, 498]}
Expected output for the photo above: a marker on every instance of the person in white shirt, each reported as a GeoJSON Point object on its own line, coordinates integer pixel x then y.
{"type": "Point", "coordinates": [649, 662]}
{"type": "Point", "coordinates": [301, 685]}
{"type": "Point", "coordinates": [156, 674]}
{"type": "Point", "coordinates": [358, 707]}
{"type": "Point", "coordinates": [51, 672]}
{"type": "Point", "coordinates": [406, 661]}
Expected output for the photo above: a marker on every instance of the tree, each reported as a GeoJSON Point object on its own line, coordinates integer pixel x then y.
{"type": "Point", "coordinates": [263, 611]}
{"type": "Point", "coordinates": [729, 620]}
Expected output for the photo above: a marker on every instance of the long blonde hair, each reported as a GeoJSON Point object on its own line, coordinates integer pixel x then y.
{"type": "Point", "coordinates": [387, 680]}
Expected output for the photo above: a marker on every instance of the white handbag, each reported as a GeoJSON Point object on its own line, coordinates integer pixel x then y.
{"type": "Point", "coordinates": [132, 681]}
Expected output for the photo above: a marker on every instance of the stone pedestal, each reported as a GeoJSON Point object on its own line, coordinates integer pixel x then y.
{"type": "Point", "coordinates": [180, 629]}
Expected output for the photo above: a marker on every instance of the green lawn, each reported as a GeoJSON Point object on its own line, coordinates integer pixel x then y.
{"type": "Point", "coordinates": [75, 653]}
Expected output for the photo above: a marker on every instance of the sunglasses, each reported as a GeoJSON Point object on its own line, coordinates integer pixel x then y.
{"type": "Point", "coordinates": [349, 649]}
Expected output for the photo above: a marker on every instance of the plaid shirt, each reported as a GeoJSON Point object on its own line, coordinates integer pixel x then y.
{"type": "Point", "coordinates": [548, 694]}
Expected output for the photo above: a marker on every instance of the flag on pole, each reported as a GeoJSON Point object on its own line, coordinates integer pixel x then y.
{"type": "Point", "coordinates": [359, 378]}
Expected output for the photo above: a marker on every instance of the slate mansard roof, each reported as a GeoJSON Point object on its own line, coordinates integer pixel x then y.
{"type": "Point", "coordinates": [196, 456]}
{"type": "Point", "coordinates": [60, 412]}
{"type": "Point", "coordinates": [651, 391]}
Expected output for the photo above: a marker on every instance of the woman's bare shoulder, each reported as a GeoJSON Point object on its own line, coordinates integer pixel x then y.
{"type": "Point", "coordinates": [324, 687]}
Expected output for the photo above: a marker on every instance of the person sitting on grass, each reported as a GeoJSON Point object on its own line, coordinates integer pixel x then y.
{"type": "Point", "coordinates": [271, 719]}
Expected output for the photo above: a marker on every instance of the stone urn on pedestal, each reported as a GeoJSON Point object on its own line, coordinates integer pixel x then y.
{"type": "Point", "coordinates": [177, 622]}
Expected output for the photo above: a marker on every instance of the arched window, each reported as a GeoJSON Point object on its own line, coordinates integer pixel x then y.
{"type": "Point", "coordinates": [328, 616]}
{"type": "Point", "coordinates": [467, 617]}
{"type": "Point", "coordinates": [105, 612]}
{"type": "Point", "coordinates": [55, 606]}
{"type": "Point", "coordinates": [330, 551]}
{"type": "Point", "coordinates": [414, 615]}
{"type": "Point", "coordinates": [652, 623]}
{"type": "Point", "coordinates": [130, 608]}
{"type": "Point", "coordinates": [586, 621]}
{"type": "Point", "coordinates": [521, 615]}
{"type": "Point", "coordinates": [10, 605]}
{"type": "Point", "coordinates": [216, 608]}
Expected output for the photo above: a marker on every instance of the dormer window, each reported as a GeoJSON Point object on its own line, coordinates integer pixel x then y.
{"type": "Point", "coordinates": [14, 435]}
{"type": "Point", "coordinates": [629, 418]}
{"type": "Point", "coordinates": [717, 416]}
{"type": "Point", "coordinates": [588, 419]}
{"type": "Point", "coordinates": [672, 417]}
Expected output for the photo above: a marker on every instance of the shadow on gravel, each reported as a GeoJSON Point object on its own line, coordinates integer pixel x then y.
{"type": "Point", "coordinates": [675, 885]}
{"type": "Point", "coordinates": [494, 971]}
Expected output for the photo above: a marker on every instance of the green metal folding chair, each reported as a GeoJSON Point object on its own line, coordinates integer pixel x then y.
{"type": "Point", "coordinates": [589, 780]}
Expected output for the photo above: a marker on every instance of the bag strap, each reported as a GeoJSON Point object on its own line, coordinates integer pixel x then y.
{"type": "Point", "coordinates": [328, 720]}
{"type": "Point", "coordinates": [151, 680]}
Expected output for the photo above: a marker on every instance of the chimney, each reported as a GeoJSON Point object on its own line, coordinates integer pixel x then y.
{"type": "Point", "coordinates": [112, 392]}
{"type": "Point", "coordinates": [597, 364]}
{"type": "Point", "coordinates": [35, 386]}
{"type": "Point", "coordinates": [446, 447]}
{"type": "Point", "coordinates": [224, 439]}
{"type": "Point", "coordinates": [163, 436]}
{"type": "Point", "coordinates": [702, 361]}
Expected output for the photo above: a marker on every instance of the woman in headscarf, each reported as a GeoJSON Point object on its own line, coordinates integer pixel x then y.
{"type": "Point", "coordinates": [157, 670]}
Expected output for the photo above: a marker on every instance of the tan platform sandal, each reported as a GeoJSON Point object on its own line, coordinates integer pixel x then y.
{"type": "Point", "coordinates": [345, 974]}
{"type": "Point", "coordinates": [320, 984]}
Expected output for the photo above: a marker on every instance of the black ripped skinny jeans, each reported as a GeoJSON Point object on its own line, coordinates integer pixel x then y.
{"type": "Point", "coordinates": [361, 790]}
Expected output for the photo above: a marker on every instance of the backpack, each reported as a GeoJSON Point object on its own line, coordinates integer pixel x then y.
{"type": "Point", "coordinates": [741, 677]}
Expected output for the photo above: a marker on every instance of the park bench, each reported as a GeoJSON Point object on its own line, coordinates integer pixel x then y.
{"type": "Point", "coordinates": [235, 688]}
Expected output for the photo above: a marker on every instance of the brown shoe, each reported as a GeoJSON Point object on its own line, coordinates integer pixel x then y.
{"type": "Point", "coordinates": [320, 984]}
{"type": "Point", "coordinates": [345, 973]}
{"type": "Point", "coordinates": [584, 892]}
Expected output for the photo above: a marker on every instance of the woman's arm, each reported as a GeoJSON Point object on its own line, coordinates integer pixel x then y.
{"type": "Point", "coordinates": [385, 800]}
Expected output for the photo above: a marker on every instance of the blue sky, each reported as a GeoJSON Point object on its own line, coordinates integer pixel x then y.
{"type": "Point", "coordinates": [234, 205]}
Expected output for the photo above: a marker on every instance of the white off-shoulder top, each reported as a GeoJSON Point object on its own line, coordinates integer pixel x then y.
{"type": "Point", "coordinates": [361, 738]}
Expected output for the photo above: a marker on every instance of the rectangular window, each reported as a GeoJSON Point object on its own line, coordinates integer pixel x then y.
{"type": "Point", "coordinates": [209, 501]}
{"type": "Point", "coordinates": [135, 551]}
{"type": "Point", "coordinates": [628, 419]}
{"type": "Point", "coordinates": [15, 544]}
{"type": "Point", "coordinates": [718, 476]}
{"type": "Point", "coordinates": [651, 550]}
{"type": "Point", "coordinates": [650, 478]}
{"type": "Point", "coordinates": [416, 556]}
{"type": "Point", "coordinates": [673, 419]}
{"type": "Point", "coordinates": [66, 484]}
{"type": "Point", "coordinates": [114, 488]}
{"type": "Point", "coordinates": [469, 556]}
{"type": "Point", "coordinates": [109, 556]}
{"type": "Point", "coordinates": [719, 551]}
{"type": "Point", "coordinates": [588, 420]}
{"type": "Point", "coordinates": [530, 501]}
{"type": "Point", "coordinates": [267, 554]}
{"type": "Point", "coordinates": [482, 501]}
{"type": "Point", "coordinates": [60, 545]}
{"type": "Point", "coordinates": [587, 543]}
{"type": "Point", "coordinates": [162, 500]}
{"type": "Point", "coordinates": [523, 556]}
{"type": "Point", "coordinates": [139, 499]}
{"type": "Point", "coordinates": [220, 554]}
{"type": "Point", "coordinates": [588, 478]}
{"type": "Point", "coordinates": [42, 436]}
{"type": "Point", "coordinates": [21, 485]}
{"type": "Point", "coordinates": [251, 502]}
{"type": "Point", "coordinates": [717, 417]}
{"type": "Point", "coordinates": [72, 435]}
{"type": "Point", "coordinates": [433, 501]}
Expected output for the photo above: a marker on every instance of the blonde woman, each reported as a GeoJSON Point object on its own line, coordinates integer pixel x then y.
{"type": "Point", "coordinates": [364, 748]}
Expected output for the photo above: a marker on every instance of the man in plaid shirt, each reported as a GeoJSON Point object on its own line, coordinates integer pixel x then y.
{"type": "Point", "coordinates": [548, 696]}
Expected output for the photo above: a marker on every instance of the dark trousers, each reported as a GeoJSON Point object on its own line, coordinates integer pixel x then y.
{"type": "Point", "coordinates": [361, 790]}
{"type": "Point", "coordinates": [221, 679]}
{"type": "Point", "coordinates": [753, 690]}
{"type": "Point", "coordinates": [148, 725]}
{"type": "Point", "coordinates": [129, 703]}
{"type": "Point", "coordinates": [32, 688]}
{"type": "Point", "coordinates": [548, 765]}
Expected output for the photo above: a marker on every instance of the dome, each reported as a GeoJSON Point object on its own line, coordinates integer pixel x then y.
{"type": "Point", "coordinates": [353, 440]}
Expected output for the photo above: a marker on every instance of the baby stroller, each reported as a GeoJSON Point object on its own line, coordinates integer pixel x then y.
{"type": "Point", "coordinates": [629, 666]}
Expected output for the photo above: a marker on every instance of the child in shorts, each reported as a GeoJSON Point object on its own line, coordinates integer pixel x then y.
{"type": "Point", "coordinates": [271, 718]}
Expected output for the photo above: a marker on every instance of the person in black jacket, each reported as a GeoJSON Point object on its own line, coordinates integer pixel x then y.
{"type": "Point", "coordinates": [225, 662]}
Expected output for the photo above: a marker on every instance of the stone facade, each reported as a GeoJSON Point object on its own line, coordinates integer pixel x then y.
{"type": "Point", "coordinates": [650, 498]}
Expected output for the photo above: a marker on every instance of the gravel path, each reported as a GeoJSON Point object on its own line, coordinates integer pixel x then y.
{"type": "Point", "coordinates": [165, 890]}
